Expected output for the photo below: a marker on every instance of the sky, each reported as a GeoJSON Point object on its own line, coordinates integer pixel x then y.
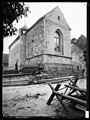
{"type": "Point", "coordinates": [75, 14]}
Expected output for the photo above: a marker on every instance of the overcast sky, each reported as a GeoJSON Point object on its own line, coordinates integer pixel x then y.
{"type": "Point", "coordinates": [75, 14]}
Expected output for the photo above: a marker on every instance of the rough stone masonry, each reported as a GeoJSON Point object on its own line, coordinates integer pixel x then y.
{"type": "Point", "coordinates": [45, 43]}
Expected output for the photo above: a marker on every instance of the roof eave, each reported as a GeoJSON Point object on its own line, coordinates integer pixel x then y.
{"type": "Point", "coordinates": [13, 42]}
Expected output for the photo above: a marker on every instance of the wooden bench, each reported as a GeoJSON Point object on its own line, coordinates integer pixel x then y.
{"type": "Point", "coordinates": [61, 96]}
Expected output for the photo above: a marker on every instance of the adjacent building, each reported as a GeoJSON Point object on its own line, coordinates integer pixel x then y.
{"type": "Point", "coordinates": [77, 48]}
{"type": "Point", "coordinates": [5, 62]}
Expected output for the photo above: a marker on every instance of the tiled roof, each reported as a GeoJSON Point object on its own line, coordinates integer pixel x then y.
{"type": "Point", "coordinates": [80, 42]}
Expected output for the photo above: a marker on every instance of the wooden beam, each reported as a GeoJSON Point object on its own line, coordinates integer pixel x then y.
{"type": "Point", "coordinates": [77, 88]}
{"type": "Point", "coordinates": [58, 97]}
{"type": "Point", "coordinates": [73, 82]}
{"type": "Point", "coordinates": [79, 101]}
{"type": "Point", "coordinates": [52, 95]}
{"type": "Point", "coordinates": [81, 107]}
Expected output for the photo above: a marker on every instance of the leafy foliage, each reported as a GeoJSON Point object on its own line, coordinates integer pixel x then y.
{"type": "Point", "coordinates": [85, 56]}
{"type": "Point", "coordinates": [12, 11]}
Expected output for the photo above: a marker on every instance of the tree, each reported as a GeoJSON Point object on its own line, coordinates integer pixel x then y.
{"type": "Point", "coordinates": [85, 56]}
{"type": "Point", "coordinates": [12, 11]}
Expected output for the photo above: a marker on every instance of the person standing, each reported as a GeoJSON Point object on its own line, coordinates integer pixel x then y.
{"type": "Point", "coordinates": [16, 66]}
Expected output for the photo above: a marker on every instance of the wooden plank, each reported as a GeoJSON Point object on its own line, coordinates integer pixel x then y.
{"type": "Point", "coordinates": [83, 108]}
{"type": "Point", "coordinates": [73, 82]}
{"type": "Point", "coordinates": [59, 99]}
{"type": "Point", "coordinates": [62, 88]}
{"type": "Point", "coordinates": [77, 88]}
{"type": "Point", "coordinates": [52, 95]}
{"type": "Point", "coordinates": [59, 79]}
{"type": "Point", "coordinates": [79, 101]}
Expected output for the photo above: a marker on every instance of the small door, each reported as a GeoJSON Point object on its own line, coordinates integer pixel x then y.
{"type": "Point", "coordinates": [77, 67]}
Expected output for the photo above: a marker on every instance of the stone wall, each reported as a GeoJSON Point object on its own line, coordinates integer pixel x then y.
{"type": "Point", "coordinates": [40, 44]}
{"type": "Point", "coordinates": [22, 50]}
{"type": "Point", "coordinates": [51, 58]}
{"type": "Point", "coordinates": [34, 43]}
{"type": "Point", "coordinates": [77, 57]}
{"type": "Point", "coordinates": [53, 21]}
{"type": "Point", "coordinates": [58, 63]}
{"type": "Point", "coordinates": [37, 46]}
{"type": "Point", "coordinates": [35, 61]}
{"type": "Point", "coordinates": [49, 35]}
{"type": "Point", "coordinates": [58, 70]}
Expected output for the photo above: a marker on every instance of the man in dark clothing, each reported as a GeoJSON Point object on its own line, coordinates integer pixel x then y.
{"type": "Point", "coordinates": [16, 66]}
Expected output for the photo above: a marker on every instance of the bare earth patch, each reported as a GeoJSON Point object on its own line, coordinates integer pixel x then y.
{"type": "Point", "coordinates": [26, 101]}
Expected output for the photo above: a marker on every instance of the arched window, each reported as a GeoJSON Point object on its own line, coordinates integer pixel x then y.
{"type": "Point", "coordinates": [58, 41]}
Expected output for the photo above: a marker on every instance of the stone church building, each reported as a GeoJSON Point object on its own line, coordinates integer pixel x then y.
{"type": "Point", "coordinates": [47, 42]}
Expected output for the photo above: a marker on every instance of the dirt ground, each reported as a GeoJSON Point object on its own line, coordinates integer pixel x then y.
{"type": "Point", "coordinates": [27, 101]}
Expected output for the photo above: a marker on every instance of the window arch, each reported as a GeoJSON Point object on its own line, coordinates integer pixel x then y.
{"type": "Point", "coordinates": [58, 41]}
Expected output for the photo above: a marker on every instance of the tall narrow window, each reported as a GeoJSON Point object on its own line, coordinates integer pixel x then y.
{"type": "Point", "coordinates": [58, 41]}
{"type": "Point", "coordinates": [77, 67]}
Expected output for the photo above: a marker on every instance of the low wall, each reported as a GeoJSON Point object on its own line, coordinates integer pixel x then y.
{"type": "Point", "coordinates": [56, 69]}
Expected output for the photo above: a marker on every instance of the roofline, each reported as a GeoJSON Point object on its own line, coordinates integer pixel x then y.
{"type": "Point", "coordinates": [27, 31]}
{"type": "Point", "coordinates": [14, 42]}
{"type": "Point", "coordinates": [35, 24]}
{"type": "Point", "coordinates": [42, 19]}
{"type": "Point", "coordinates": [38, 21]}
{"type": "Point", "coordinates": [76, 45]}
